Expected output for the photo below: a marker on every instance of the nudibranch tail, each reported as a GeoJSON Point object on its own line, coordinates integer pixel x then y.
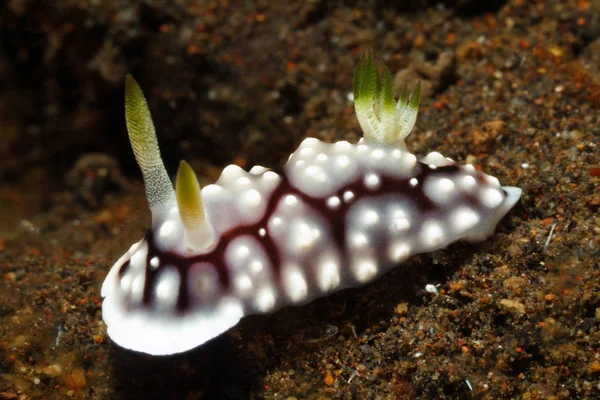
{"type": "Point", "coordinates": [159, 189]}
{"type": "Point", "coordinates": [382, 119]}
{"type": "Point", "coordinates": [336, 215]}
{"type": "Point", "coordinates": [486, 228]}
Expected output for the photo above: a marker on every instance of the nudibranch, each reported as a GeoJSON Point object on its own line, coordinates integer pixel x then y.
{"type": "Point", "coordinates": [336, 215]}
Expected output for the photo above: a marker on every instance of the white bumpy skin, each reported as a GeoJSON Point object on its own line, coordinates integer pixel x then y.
{"type": "Point", "coordinates": [335, 216]}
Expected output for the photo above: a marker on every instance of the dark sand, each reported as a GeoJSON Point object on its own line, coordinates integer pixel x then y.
{"type": "Point", "coordinates": [512, 87]}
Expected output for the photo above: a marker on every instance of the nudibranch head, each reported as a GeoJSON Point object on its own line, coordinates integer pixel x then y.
{"type": "Point", "coordinates": [335, 216]}
{"type": "Point", "coordinates": [140, 315]}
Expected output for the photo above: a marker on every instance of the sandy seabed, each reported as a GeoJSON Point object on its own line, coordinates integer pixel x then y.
{"type": "Point", "coordinates": [511, 87]}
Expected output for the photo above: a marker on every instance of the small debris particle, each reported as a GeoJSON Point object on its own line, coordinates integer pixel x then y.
{"type": "Point", "coordinates": [431, 288]}
{"type": "Point", "coordinates": [547, 221]}
{"type": "Point", "coordinates": [352, 376]}
{"type": "Point", "coordinates": [469, 384]}
{"type": "Point", "coordinates": [557, 51]}
{"type": "Point", "coordinates": [549, 237]}
{"type": "Point", "coordinates": [469, 50]}
{"type": "Point", "coordinates": [549, 297]}
{"type": "Point", "coordinates": [10, 276]}
{"type": "Point", "coordinates": [595, 200]}
{"type": "Point", "coordinates": [329, 380]}
{"type": "Point", "coordinates": [20, 341]}
{"type": "Point", "coordinates": [488, 134]}
{"type": "Point", "coordinates": [367, 350]}
{"type": "Point", "coordinates": [419, 41]}
{"type": "Point", "coordinates": [401, 308]}
{"type": "Point", "coordinates": [76, 379]}
{"type": "Point", "coordinates": [98, 339]}
{"type": "Point", "coordinates": [53, 370]}
{"type": "Point", "coordinates": [595, 368]}
{"type": "Point", "coordinates": [456, 287]}
{"type": "Point", "coordinates": [515, 284]}
{"type": "Point", "coordinates": [513, 306]}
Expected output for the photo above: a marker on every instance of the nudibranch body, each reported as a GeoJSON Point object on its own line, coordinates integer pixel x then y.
{"type": "Point", "coordinates": [335, 216]}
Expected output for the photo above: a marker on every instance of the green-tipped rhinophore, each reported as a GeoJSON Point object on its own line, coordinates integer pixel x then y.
{"type": "Point", "coordinates": [159, 189]}
{"type": "Point", "coordinates": [189, 200]}
{"type": "Point", "coordinates": [381, 118]}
